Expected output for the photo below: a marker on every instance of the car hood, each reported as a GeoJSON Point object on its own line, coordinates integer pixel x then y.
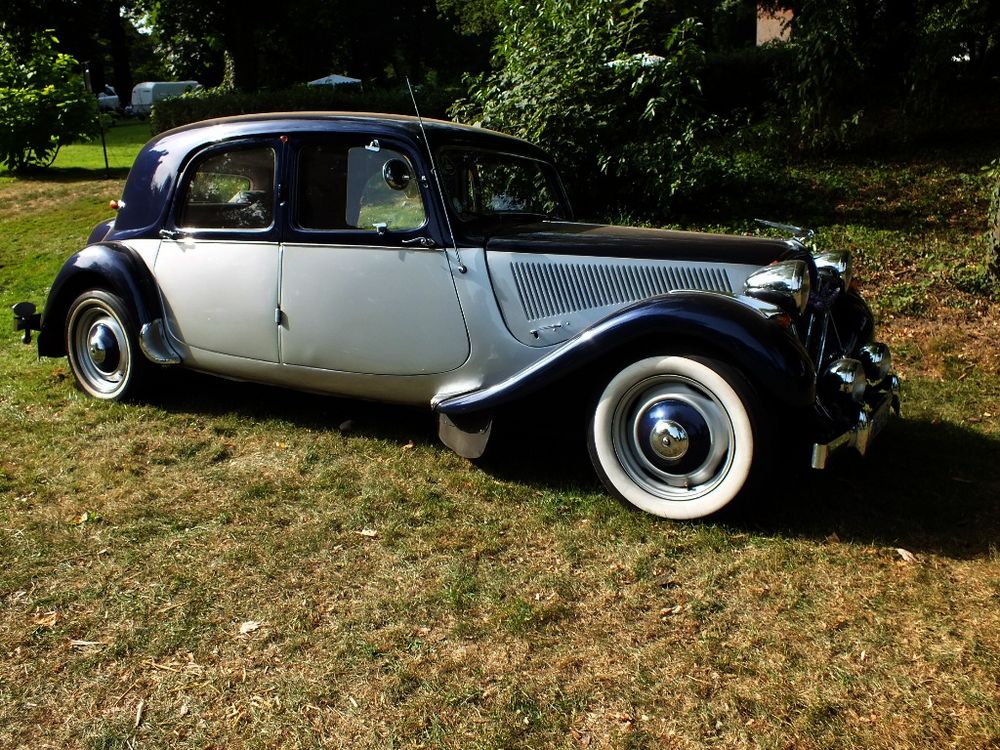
{"type": "Point", "coordinates": [600, 240]}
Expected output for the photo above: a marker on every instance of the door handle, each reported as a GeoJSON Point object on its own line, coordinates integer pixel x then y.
{"type": "Point", "coordinates": [425, 242]}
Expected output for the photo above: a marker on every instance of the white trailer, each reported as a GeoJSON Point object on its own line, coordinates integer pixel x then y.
{"type": "Point", "coordinates": [148, 93]}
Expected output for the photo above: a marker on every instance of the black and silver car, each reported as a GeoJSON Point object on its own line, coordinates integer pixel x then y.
{"type": "Point", "coordinates": [424, 262]}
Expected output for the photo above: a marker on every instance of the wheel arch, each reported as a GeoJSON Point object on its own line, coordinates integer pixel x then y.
{"type": "Point", "coordinates": [711, 325]}
{"type": "Point", "coordinates": [112, 266]}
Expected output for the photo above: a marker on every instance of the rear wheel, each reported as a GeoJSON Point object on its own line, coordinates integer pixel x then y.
{"type": "Point", "coordinates": [678, 437]}
{"type": "Point", "coordinates": [102, 346]}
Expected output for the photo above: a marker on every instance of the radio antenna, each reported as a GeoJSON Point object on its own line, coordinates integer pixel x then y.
{"type": "Point", "coordinates": [437, 180]}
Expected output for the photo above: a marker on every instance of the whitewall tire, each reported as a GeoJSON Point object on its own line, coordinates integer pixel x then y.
{"type": "Point", "coordinates": [102, 346]}
{"type": "Point", "coordinates": [678, 437]}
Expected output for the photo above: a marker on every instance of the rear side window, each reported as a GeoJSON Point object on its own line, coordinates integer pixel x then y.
{"type": "Point", "coordinates": [360, 188]}
{"type": "Point", "coordinates": [231, 190]}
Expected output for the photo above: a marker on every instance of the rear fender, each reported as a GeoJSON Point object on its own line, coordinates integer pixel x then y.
{"type": "Point", "coordinates": [109, 265]}
{"type": "Point", "coordinates": [768, 355]}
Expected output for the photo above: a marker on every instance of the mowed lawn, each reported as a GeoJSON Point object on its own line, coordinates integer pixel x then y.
{"type": "Point", "coordinates": [231, 566]}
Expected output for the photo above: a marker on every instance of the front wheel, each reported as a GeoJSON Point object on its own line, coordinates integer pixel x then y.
{"type": "Point", "coordinates": [678, 437]}
{"type": "Point", "coordinates": [102, 346]}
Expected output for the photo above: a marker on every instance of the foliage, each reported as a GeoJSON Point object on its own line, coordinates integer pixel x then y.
{"type": "Point", "coordinates": [220, 102]}
{"type": "Point", "coordinates": [43, 104]}
{"type": "Point", "coordinates": [570, 75]}
{"type": "Point", "coordinates": [896, 64]}
{"type": "Point", "coordinates": [306, 39]}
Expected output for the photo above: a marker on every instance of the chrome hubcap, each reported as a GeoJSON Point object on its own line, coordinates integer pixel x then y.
{"type": "Point", "coordinates": [669, 439]}
{"type": "Point", "coordinates": [99, 350]}
{"type": "Point", "coordinates": [673, 437]}
{"type": "Point", "coordinates": [103, 348]}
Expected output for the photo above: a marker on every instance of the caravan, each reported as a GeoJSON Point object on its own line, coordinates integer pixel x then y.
{"type": "Point", "coordinates": [146, 94]}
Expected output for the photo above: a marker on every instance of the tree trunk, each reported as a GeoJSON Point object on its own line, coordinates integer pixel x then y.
{"type": "Point", "coordinates": [118, 46]}
{"type": "Point", "coordinates": [240, 44]}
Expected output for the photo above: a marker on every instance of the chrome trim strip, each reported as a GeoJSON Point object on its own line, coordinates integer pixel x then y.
{"type": "Point", "coordinates": [154, 344]}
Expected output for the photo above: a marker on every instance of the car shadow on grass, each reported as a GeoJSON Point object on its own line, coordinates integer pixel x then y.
{"type": "Point", "coordinates": [184, 391]}
{"type": "Point", "coordinates": [925, 486]}
{"type": "Point", "coordinates": [929, 487]}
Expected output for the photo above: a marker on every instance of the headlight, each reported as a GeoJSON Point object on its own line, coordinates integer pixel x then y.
{"type": "Point", "coordinates": [846, 377]}
{"type": "Point", "coordinates": [877, 361]}
{"type": "Point", "coordinates": [838, 263]}
{"type": "Point", "coordinates": [782, 284]}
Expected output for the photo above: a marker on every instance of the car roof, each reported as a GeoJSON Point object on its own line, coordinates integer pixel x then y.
{"type": "Point", "coordinates": [155, 169]}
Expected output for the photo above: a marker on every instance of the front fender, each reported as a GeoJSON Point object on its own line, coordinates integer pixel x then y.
{"type": "Point", "coordinates": [109, 265]}
{"type": "Point", "coordinates": [766, 353]}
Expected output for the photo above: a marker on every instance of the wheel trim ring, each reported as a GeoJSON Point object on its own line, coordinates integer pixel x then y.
{"type": "Point", "coordinates": [655, 481]}
{"type": "Point", "coordinates": [92, 376]}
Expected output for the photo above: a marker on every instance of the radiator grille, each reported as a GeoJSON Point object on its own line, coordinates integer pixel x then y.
{"type": "Point", "coordinates": [548, 289]}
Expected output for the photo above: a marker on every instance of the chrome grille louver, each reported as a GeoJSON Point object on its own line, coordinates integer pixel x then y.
{"type": "Point", "coordinates": [546, 289]}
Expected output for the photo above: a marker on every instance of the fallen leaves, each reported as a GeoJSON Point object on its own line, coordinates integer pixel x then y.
{"type": "Point", "coordinates": [45, 619]}
{"type": "Point", "coordinates": [80, 645]}
{"type": "Point", "coordinates": [249, 626]}
{"type": "Point", "coordinates": [88, 516]}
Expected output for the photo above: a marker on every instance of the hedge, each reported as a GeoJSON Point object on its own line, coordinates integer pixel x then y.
{"type": "Point", "coordinates": [209, 103]}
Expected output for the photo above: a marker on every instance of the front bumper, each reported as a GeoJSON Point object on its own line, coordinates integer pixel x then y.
{"type": "Point", "coordinates": [871, 419]}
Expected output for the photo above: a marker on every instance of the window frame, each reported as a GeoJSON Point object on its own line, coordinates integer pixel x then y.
{"type": "Point", "coordinates": [272, 232]}
{"type": "Point", "coordinates": [355, 235]}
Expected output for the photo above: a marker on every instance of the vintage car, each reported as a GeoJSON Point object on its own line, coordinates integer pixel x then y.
{"type": "Point", "coordinates": [424, 262]}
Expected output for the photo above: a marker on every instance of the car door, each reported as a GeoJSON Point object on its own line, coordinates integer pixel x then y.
{"type": "Point", "coordinates": [218, 264]}
{"type": "Point", "coordinates": [363, 289]}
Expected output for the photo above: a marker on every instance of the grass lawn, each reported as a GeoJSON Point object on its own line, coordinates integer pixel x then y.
{"type": "Point", "coordinates": [225, 566]}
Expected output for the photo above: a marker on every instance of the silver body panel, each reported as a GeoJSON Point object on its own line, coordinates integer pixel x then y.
{"type": "Point", "coordinates": [220, 296]}
{"type": "Point", "coordinates": [548, 299]}
{"type": "Point", "coordinates": [379, 310]}
{"type": "Point", "coordinates": [392, 324]}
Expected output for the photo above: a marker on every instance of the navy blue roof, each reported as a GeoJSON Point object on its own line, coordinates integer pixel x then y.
{"type": "Point", "coordinates": [155, 170]}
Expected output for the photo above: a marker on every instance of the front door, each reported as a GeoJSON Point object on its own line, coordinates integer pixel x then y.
{"type": "Point", "coordinates": [359, 289]}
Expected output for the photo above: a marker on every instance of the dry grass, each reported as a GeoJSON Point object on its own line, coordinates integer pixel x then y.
{"type": "Point", "coordinates": [406, 598]}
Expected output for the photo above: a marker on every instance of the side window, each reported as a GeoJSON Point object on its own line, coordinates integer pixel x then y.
{"type": "Point", "coordinates": [357, 188]}
{"type": "Point", "coordinates": [231, 190]}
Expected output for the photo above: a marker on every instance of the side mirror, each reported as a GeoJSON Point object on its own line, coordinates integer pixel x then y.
{"type": "Point", "coordinates": [396, 173]}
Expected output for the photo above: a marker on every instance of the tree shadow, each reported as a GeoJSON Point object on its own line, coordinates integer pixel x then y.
{"type": "Point", "coordinates": [929, 487]}
{"type": "Point", "coordinates": [72, 174]}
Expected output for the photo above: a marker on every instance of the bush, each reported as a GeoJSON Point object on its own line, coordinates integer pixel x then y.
{"type": "Point", "coordinates": [43, 104]}
{"type": "Point", "coordinates": [208, 103]}
{"type": "Point", "coordinates": [624, 126]}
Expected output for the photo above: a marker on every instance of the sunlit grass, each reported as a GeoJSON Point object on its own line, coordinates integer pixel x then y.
{"type": "Point", "coordinates": [408, 598]}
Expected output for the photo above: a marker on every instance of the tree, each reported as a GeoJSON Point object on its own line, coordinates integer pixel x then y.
{"type": "Point", "coordinates": [43, 104]}
{"type": "Point", "coordinates": [578, 77]}
{"type": "Point", "coordinates": [100, 33]}
{"type": "Point", "coordinates": [908, 57]}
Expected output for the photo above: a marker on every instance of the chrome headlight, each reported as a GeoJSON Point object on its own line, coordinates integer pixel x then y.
{"type": "Point", "coordinates": [846, 377]}
{"type": "Point", "coordinates": [783, 283]}
{"type": "Point", "coordinates": [838, 263]}
{"type": "Point", "coordinates": [877, 361]}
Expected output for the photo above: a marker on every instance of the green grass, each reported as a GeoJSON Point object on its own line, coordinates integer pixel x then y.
{"type": "Point", "coordinates": [510, 604]}
{"type": "Point", "coordinates": [123, 141]}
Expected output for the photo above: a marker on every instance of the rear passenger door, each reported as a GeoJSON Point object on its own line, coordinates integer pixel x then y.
{"type": "Point", "coordinates": [218, 264]}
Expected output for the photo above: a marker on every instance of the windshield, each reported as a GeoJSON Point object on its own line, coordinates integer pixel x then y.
{"type": "Point", "coordinates": [490, 185]}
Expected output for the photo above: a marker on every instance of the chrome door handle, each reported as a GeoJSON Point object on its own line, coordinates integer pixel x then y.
{"type": "Point", "coordinates": [425, 242]}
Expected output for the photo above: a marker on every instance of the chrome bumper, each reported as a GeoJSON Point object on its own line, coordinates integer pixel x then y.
{"type": "Point", "coordinates": [870, 422]}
